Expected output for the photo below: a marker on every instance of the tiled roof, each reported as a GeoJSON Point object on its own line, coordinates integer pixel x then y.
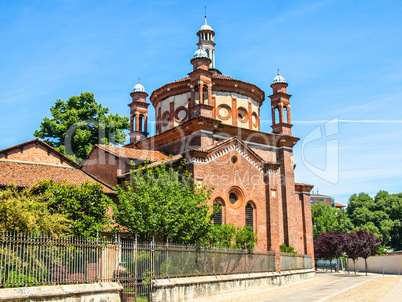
{"type": "Point", "coordinates": [339, 205]}
{"type": "Point", "coordinates": [133, 153]}
{"type": "Point", "coordinates": [169, 160]}
{"type": "Point", "coordinates": [182, 80]}
{"type": "Point", "coordinates": [223, 77]}
{"type": "Point", "coordinates": [25, 174]}
{"type": "Point", "coordinates": [214, 145]}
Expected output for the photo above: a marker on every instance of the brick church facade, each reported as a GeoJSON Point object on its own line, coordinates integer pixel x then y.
{"type": "Point", "coordinates": [213, 121]}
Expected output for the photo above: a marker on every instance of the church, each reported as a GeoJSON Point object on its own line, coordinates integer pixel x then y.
{"type": "Point", "coordinates": [213, 121]}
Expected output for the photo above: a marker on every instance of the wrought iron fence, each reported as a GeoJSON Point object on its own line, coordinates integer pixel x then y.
{"type": "Point", "coordinates": [290, 261]}
{"type": "Point", "coordinates": [31, 260]}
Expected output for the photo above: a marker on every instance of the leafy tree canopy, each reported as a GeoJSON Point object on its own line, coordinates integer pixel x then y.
{"type": "Point", "coordinates": [381, 215]}
{"type": "Point", "coordinates": [85, 205]}
{"type": "Point", "coordinates": [163, 201]}
{"type": "Point", "coordinates": [325, 218]}
{"type": "Point", "coordinates": [329, 245]}
{"type": "Point", "coordinates": [26, 211]}
{"type": "Point", "coordinates": [228, 236]}
{"type": "Point", "coordinates": [78, 124]}
{"type": "Point", "coordinates": [361, 243]}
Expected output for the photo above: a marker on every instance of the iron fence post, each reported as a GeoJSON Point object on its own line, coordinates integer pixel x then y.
{"type": "Point", "coordinates": [135, 267]}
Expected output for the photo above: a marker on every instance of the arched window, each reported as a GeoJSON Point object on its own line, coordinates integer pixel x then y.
{"type": "Point", "coordinates": [140, 123]}
{"type": "Point", "coordinates": [207, 51]}
{"type": "Point", "coordinates": [218, 219]}
{"type": "Point", "coordinates": [285, 115]}
{"type": "Point", "coordinates": [276, 115]}
{"type": "Point", "coordinates": [250, 216]}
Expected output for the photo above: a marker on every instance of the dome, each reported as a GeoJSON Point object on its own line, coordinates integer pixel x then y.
{"type": "Point", "coordinates": [139, 88]}
{"type": "Point", "coordinates": [279, 78]}
{"type": "Point", "coordinates": [200, 53]}
{"type": "Point", "coordinates": [206, 26]}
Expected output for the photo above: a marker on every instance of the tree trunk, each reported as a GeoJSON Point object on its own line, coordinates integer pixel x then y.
{"type": "Point", "coordinates": [365, 264]}
{"type": "Point", "coordinates": [354, 265]}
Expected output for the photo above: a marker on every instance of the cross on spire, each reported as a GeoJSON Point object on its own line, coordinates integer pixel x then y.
{"type": "Point", "coordinates": [205, 7]}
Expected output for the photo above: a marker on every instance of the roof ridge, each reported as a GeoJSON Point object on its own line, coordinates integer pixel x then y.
{"type": "Point", "coordinates": [39, 164]}
{"type": "Point", "coordinates": [38, 141]}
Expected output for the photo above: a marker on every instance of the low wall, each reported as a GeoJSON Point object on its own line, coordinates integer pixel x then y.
{"type": "Point", "coordinates": [94, 292]}
{"type": "Point", "coordinates": [203, 288]}
{"type": "Point", "coordinates": [391, 264]}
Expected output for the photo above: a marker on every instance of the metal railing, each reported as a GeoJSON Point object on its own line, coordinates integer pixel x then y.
{"type": "Point", "coordinates": [290, 261]}
{"type": "Point", "coordinates": [31, 260]}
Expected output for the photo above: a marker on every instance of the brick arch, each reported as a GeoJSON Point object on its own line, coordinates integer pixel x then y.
{"type": "Point", "coordinates": [219, 219]}
{"type": "Point", "coordinates": [250, 214]}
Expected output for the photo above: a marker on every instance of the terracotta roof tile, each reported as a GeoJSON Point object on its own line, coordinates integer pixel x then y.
{"type": "Point", "coordinates": [169, 160]}
{"type": "Point", "coordinates": [131, 153]}
{"type": "Point", "coordinates": [339, 205]}
{"type": "Point", "coordinates": [25, 174]}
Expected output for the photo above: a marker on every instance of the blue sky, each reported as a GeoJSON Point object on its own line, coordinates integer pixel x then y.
{"type": "Point", "coordinates": [342, 60]}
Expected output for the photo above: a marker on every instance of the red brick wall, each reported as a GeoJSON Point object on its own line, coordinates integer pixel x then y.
{"type": "Point", "coordinates": [104, 166]}
{"type": "Point", "coordinates": [224, 175]}
{"type": "Point", "coordinates": [34, 153]}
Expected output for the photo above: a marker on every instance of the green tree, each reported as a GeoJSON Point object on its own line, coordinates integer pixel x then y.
{"type": "Point", "coordinates": [26, 211]}
{"type": "Point", "coordinates": [85, 205]}
{"type": "Point", "coordinates": [381, 215]}
{"type": "Point", "coordinates": [326, 218]}
{"type": "Point", "coordinates": [163, 201]}
{"type": "Point", "coordinates": [78, 124]}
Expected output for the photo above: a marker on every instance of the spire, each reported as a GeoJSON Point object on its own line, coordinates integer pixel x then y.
{"type": "Point", "coordinates": [206, 40]}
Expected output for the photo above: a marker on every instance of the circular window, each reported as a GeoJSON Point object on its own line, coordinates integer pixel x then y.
{"type": "Point", "coordinates": [165, 118]}
{"type": "Point", "coordinates": [224, 112]}
{"type": "Point", "coordinates": [255, 119]}
{"type": "Point", "coordinates": [233, 159]}
{"type": "Point", "coordinates": [242, 115]}
{"type": "Point", "coordinates": [181, 113]}
{"type": "Point", "coordinates": [233, 198]}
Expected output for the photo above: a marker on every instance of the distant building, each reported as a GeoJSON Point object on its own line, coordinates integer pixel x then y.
{"type": "Point", "coordinates": [329, 200]}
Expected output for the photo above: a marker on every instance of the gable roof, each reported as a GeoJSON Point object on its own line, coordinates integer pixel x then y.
{"type": "Point", "coordinates": [209, 153]}
{"type": "Point", "coordinates": [130, 153]}
{"type": "Point", "coordinates": [26, 174]}
{"type": "Point", "coordinates": [49, 148]}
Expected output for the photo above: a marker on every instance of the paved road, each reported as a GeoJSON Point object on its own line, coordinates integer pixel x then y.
{"type": "Point", "coordinates": [330, 287]}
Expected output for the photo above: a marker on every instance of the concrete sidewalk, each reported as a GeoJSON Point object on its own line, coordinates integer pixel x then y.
{"type": "Point", "coordinates": [331, 287]}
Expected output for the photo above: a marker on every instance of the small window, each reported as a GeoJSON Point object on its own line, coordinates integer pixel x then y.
{"type": "Point", "coordinates": [312, 201]}
{"type": "Point", "coordinates": [250, 216]}
{"type": "Point", "coordinates": [233, 159]}
{"type": "Point", "coordinates": [218, 219]}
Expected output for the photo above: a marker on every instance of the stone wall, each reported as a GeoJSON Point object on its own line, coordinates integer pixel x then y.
{"type": "Point", "coordinates": [389, 264]}
{"type": "Point", "coordinates": [205, 288]}
{"type": "Point", "coordinates": [95, 292]}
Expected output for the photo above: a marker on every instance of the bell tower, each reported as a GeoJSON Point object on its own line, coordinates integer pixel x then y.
{"type": "Point", "coordinates": [138, 114]}
{"type": "Point", "coordinates": [280, 106]}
